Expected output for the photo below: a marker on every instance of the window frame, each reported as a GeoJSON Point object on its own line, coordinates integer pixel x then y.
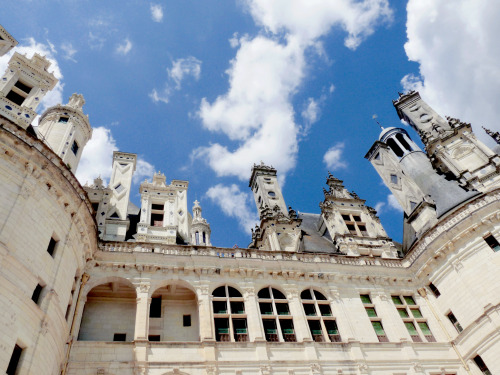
{"type": "Point", "coordinates": [410, 317]}
{"type": "Point", "coordinates": [373, 319]}
{"type": "Point", "coordinates": [275, 316]}
{"type": "Point", "coordinates": [232, 333]}
{"type": "Point", "coordinates": [324, 336]}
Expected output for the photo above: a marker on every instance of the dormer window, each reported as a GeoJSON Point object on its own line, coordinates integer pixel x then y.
{"type": "Point", "coordinates": [354, 224]}
{"type": "Point", "coordinates": [63, 119]}
{"type": "Point", "coordinates": [19, 93]}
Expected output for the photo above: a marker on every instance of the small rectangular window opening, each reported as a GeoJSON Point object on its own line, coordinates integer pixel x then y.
{"type": "Point", "coordinates": [155, 308]}
{"type": "Point", "coordinates": [186, 320]}
{"type": "Point", "coordinates": [36, 294]}
{"type": "Point", "coordinates": [394, 179]}
{"type": "Point", "coordinates": [434, 290]}
{"type": "Point", "coordinates": [23, 87]}
{"type": "Point", "coordinates": [14, 360]}
{"type": "Point", "coordinates": [154, 337]}
{"type": "Point", "coordinates": [482, 366]}
{"type": "Point", "coordinates": [120, 337]}
{"type": "Point", "coordinates": [63, 119]}
{"type": "Point", "coordinates": [75, 148]}
{"type": "Point", "coordinates": [52, 246]}
{"type": "Point", "coordinates": [492, 242]}
{"type": "Point", "coordinates": [455, 322]}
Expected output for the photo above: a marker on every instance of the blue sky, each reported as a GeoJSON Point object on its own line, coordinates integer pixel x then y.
{"type": "Point", "coordinates": [200, 90]}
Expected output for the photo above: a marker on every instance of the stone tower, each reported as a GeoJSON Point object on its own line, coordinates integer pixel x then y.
{"type": "Point", "coordinates": [7, 42]}
{"type": "Point", "coordinates": [450, 144]}
{"type": "Point", "coordinates": [279, 226]}
{"type": "Point", "coordinates": [423, 194]}
{"type": "Point", "coordinates": [200, 229]}
{"type": "Point", "coordinates": [66, 130]}
{"type": "Point", "coordinates": [117, 222]}
{"type": "Point", "coordinates": [23, 86]}
{"type": "Point", "coordinates": [164, 217]}
{"type": "Point", "coordinates": [266, 189]}
{"type": "Point", "coordinates": [354, 227]}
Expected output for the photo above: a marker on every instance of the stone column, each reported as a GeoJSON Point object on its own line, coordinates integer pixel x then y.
{"type": "Point", "coordinates": [254, 321]}
{"type": "Point", "coordinates": [346, 331]}
{"type": "Point", "coordinates": [205, 313]}
{"type": "Point", "coordinates": [142, 312]}
{"type": "Point", "coordinates": [391, 321]}
{"type": "Point", "coordinates": [302, 332]}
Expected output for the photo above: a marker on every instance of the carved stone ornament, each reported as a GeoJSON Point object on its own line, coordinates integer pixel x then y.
{"type": "Point", "coordinates": [265, 370]}
{"type": "Point", "coordinates": [248, 292]}
{"type": "Point", "coordinates": [211, 370]}
{"type": "Point", "coordinates": [315, 368]}
{"type": "Point", "coordinates": [100, 371]}
{"type": "Point", "coordinates": [144, 287]}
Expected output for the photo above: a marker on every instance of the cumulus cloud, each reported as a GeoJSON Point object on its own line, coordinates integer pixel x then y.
{"type": "Point", "coordinates": [266, 73]}
{"type": "Point", "coordinates": [234, 203]}
{"type": "Point", "coordinates": [156, 12]}
{"type": "Point", "coordinates": [143, 170]}
{"type": "Point", "coordinates": [28, 48]}
{"type": "Point", "coordinates": [333, 157]}
{"type": "Point", "coordinates": [181, 68]}
{"type": "Point", "coordinates": [379, 206]}
{"type": "Point", "coordinates": [311, 112]}
{"type": "Point", "coordinates": [456, 45]}
{"type": "Point", "coordinates": [97, 156]}
{"type": "Point", "coordinates": [124, 48]}
{"type": "Point", "coordinates": [393, 203]}
{"type": "Point", "coordinates": [69, 51]}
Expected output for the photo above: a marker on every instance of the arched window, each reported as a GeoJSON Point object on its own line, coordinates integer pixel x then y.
{"type": "Point", "coordinates": [230, 319]}
{"type": "Point", "coordinates": [400, 137]}
{"type": "Point", "coordinates": [204, 238]}
{"type": "Point", "coordinates": [319, 316]}
{"type": "Point", "coordinates": [395, 147]}
{"type": "Point", "coordinates": [197, 238]}
{"type": "Point", "coordinates": [276, 318]}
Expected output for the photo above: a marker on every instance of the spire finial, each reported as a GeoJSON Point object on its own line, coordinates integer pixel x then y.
{"type": "Point", "coordinates": [374, 118]}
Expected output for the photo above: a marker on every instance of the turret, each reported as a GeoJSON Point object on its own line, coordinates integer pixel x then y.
{"type": "Point", "coordinates": [200, 229]}
{"type": "Point", "coordinates": [7, 41]}
{"type": "Point", "coordinates": [423, 194]}
{"type": "Point", "coordinates": [66, 130]}
{"type": "Point", "coordinates": [451, 145]}
{"type": "Point", "coordinates": [354, 227]}
{"type": "Point", "coordinates": [266, 189]}
{"type": "Point", "coordinates": [23, 86]}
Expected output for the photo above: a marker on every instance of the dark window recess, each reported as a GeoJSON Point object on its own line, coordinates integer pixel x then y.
{"type": "Point", "coordinates": [325, 310]}
{"type": "Point", "coordinates": [264, 293]}
{"type": "Point", "coordinates": [52, 246]}
{"type": "Point", "coordinates": [63, 119]}
{"type": "Point", "coordinates": [455, 322]}
{"type": "Point", "coordinates": [23, 87]}
{"type": "Point", "coordinates": [157, 206]}
{"type": "Point", "coordinates": [403, 142]}
{"type": "Point", "coordinates": [434, 290]}
{"type": "Point", "coordinates": [233, 292]}
{"type": "Point", "coordinates": [157, 220]}
{"type": "Point", "coordinates": [219, 292]}
{"type": "Point", "coordinates": [95, 206]}
{"type": "Point", "coordinates": [270, 330]}
{"type": "Point", "coordinates": [395, 147]}
{"type": "Point", "coordinates": [186, 320]}
{"type": "Point", "coordinates": [287, 330]}
{"type": "Point", "coordinates": [220, 307]}
{"type": "Point", "coordinates": [14, 360]}
{"type": "Point", "coordinates": [75, 148]}
{"type": "Point", "coordinates": [237, 307]}
{"type": "Point", "coordinates": [155, 308]}
{"type": "Point", "coordinates": [306, 294]}
{"type": "Point", "coordinates": [14, 97]}
{"type": "Point", "coordinates": [309, 309]}
{"type": "Point", "coordinates": [36, 294]}
{"type": "Point", "coordinates": [120, 337]}
{"type": "Point", "coordinates": [316, 331]}
{"type": "Point", "coordinates": [346, 217]}
{"type": "Point", "coordinates": [492, 242]}
{"type": "Point", "coordinates": [356, 218]}
{"type": "Point", "coordinates": [482, 366]}
{"type": "Point", "coordinates": [222, 329]}
{"type": "Point", "coordinates": [154, 337]}
{"type": "Point", "coordinates": [394, 179]}
{"type": "Point", "coordinates": [240, 330]}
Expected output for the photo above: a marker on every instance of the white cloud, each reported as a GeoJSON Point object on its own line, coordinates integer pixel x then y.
{"type": "Point", "coordinates": [457, 48]}
{"type": "Point", "coordinates": [234, 41]}
{"type": "Point", "coordinates": [96, 40]}
{"type": "Point", "coordinates": [29, 47]}
{"type": "Point", "coordinates": [379, 206]}
{"type": "Point", "coordinates": [143, 169]}
{"type": "Point", "coordinates": [234, 203]}
{"type": "Point", "coordinates": [69, 51]}
{"type": "Point", "coordinates": [124, 48]}
{"type": "Point", "coordinates": [181, 68]}
{"type": "Point", "coordinates": [331, 89]}
{"type": "Point", "coordinates": [333, 157]}
{"type": "Point", "coordinates": [311, 19]}
{"type": "Point", "coordinates": [189, 66]}
{"type": "Point", "coordinates": [156, 12]}
{"type": "Point", "coordinates": [311, 113]}
{"type": "Point", "coordinates": [393, 203]}
{"type": "Point", "coordinates": [97, 157]}
{"type": "Point", "coordinates": [267, 72]}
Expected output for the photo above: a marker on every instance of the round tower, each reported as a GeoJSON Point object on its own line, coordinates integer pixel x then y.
{"type": "Point", "coordinates": [66, 130]}
{"type": "Point", "coordinates": [200, 229]}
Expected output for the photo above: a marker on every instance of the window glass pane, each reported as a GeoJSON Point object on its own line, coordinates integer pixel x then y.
{"type": "Point", "coordinates": [264, 293]}
{"type": "Point", "coordinates": [219, 292]}
{"type": "Point", "coordinates": [319, 296]}
{"type": "Point", "coordinates": [416, 313]}
{"type": "Point", "coordinates": [365, 298]}
{"type": "Point", "coordinates": [411, 328]}
{"type": "Point", "coordinates": [424, 328]}
{"type": "Point", "coordinates": [379, 330]}
{"type": "Point", "coordinates": [277, 294]}
{"type": "Point", "coordinates": [396, 300]}
{"type": "Point", "coordinates": [371, 312]}
{"type": "Point", "coordinates": [306, 294]}
{"type": "Point", "coordinates": [409, 300]}
{"type": "Point", "coordinates": [403, 313]}
{"type": "Point", "coordinates": [233, 292]}
{"type": "Point", "coordinates": [331, 327]}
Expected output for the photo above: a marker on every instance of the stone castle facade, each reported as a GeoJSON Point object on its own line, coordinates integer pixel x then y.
{"type": "Point", "coordinates": [92, 284]}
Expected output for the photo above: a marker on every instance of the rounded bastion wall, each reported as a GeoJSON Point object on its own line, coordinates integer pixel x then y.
{"type": "Point", "coordinates": [47, 233]}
